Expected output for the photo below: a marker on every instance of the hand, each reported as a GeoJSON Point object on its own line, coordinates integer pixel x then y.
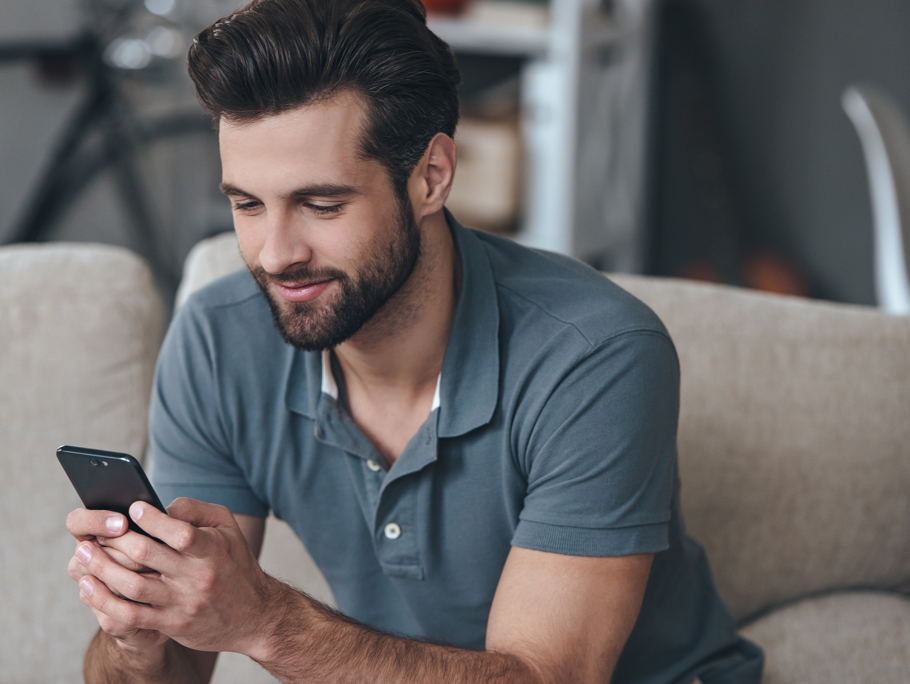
{"type": "Point", "coordinates": [99, 527]}
{"type": "Point", "coordinates": [94, 530]}
{"type": "Point", "coordinates": [209, 594]}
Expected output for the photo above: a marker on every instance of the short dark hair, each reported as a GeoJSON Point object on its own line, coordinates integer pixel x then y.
{"type": "Point", "coordinates": [272, 56]}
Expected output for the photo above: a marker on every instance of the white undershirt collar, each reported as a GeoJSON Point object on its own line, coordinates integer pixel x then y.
{"type": "Point", "coordinates": [330, 387]}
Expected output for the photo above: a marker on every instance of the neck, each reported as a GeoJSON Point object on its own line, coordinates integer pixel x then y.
{"type": "Point", "coordinates": [401, 349]}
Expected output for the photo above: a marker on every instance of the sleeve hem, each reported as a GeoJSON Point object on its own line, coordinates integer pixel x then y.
{"type": "Point", "coordinates": [580, 541]}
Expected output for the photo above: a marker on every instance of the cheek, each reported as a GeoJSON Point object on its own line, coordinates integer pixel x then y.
{"type": "Point", "coordinates": [249, 238]}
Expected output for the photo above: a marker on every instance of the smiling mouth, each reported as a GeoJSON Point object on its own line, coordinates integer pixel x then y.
{"type": "Point", "coordinates": [301, 292]}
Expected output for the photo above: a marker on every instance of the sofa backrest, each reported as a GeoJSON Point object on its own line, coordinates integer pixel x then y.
{"type": "Point", "coordinates": [80, 327]}
{"type": "Point", "coordinates": [794, 439]}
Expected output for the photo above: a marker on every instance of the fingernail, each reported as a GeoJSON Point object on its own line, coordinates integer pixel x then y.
{"type": "Point", "coordinates": [86, 585]}
{"type": "Point", "coordinates": [136, 511]}
{"type": "Point", "coordinates": [83, 553]}
{"type": "Point", "coordinates": [114, 523]}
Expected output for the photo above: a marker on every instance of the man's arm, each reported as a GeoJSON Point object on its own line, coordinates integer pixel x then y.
{"type": "Point", "coordinates": [119, 655]}
{"type": "Point", "coordinates": [554, 618]}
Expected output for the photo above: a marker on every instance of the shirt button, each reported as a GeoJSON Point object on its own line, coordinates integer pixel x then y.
{"type": "Point", "coordinates": [392, 531]}
{"type": "Point", "coordinates": [372, 465]}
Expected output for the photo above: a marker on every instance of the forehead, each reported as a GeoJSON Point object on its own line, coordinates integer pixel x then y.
{"type": "Point", "coordinates": [316, 142]}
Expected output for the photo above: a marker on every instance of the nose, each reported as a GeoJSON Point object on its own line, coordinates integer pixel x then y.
{"type": "Point", "coordinates": [285, 246]}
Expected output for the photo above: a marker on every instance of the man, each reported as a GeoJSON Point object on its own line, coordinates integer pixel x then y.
{"type": "Point", "coordinates": [475, 441]}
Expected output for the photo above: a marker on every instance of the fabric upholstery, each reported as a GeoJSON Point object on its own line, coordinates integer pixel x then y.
{"type": "Point", "coordinates": [806, 643]}
{"type": "Point", "coordinates": [80, 326]}
{"type": "Point", "coordinates": [209, 259]}
{"type": "Point", "coordinates": [794, 439]}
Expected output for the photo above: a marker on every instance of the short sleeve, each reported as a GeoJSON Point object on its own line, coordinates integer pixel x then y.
{"type": "Point", "coordinates": [191, 452]}
{"type": "Point", "coordinates": [601, 457]}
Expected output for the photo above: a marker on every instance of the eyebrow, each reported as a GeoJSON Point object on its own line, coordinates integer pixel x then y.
{"type": "Point", "coordinates": [318, 190]}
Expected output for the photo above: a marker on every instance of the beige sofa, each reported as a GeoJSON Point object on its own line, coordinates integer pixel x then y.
{"type": "Point", "coordinates": [80, 328]}
{"type": "Point", "coordinates": [794, 453]}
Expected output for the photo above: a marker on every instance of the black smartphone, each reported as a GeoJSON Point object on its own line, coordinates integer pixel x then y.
{"type": "Point", "coordinates": [108, 481]}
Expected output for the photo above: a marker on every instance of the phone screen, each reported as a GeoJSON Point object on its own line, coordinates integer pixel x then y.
{"type": "Point", "coordinates": [108, 480]}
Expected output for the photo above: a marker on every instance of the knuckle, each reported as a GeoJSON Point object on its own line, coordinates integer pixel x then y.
{"type": "Point", "coordinates": [135, 589]}
{"type": "Point", "coordinates": [129, 617]}
{"type": "Point", "coordinates": [185, 537]}
{"type": "Point", "coordinates": [207, 582]}
{"type": "Point", "coordinates": [139, 550]}
{"type": "Point", "coordinates": [178, 504]}
{"type": "Point", "coordinates": [194, 611]}
{"type": "Point", "coordinates": [108, 625]}
{"type": "Point", "coordinates": [95, 601]}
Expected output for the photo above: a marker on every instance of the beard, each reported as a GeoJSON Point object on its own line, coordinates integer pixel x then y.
{"type": "Point", "coordinates": [313, 326]}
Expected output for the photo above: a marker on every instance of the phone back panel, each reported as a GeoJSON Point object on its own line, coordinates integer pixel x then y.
{"type": "Point", "coordinates": [107, 480]}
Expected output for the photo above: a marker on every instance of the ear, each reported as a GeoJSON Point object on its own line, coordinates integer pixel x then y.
{"type": "Point", "coordinates": [431, 180]}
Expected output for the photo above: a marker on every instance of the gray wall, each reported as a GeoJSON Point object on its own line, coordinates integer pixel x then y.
{"type": "Point", "coordinates": [784, 65]}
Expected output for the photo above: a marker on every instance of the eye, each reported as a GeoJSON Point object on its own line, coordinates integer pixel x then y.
{"type": "Point", "coordinates": [247, 205]}
{"type": "Point", "coordinates": [325, 210]}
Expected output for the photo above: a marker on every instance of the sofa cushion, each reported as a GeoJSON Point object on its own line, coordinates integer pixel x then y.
{"type": "Point", "coordinates": [209, 259]}
{"type": "Point", "coordinates": [794, 439]}
{"type": "Point", "coordinates": [849, 638]}
{"type": "Point", "coordinates": [80, 328]}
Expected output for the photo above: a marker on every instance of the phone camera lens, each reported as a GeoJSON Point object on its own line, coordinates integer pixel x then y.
{"type": "Point", "coordinates": [104, 463]}
{"type": "Point", "coordinates": [94, 462]}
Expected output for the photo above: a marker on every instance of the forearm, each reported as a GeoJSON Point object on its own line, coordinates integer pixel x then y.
{"type": "Point", "coordinates": [107, 662]}
{"type": "Point", "coordinates": [311, 643]}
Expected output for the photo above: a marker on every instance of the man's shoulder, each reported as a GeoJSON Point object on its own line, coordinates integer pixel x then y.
{"type": "Point", "coordinates": [229, 313]}
{"type": "Point", "coordinates": [231, 290]}
{"type": "Point", "coordinates": [566, 293]}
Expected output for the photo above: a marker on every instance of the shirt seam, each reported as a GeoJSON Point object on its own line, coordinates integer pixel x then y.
{"type": "Point", "coordinates": [580, 358]}
{"type": "Point", "coordinates": [591, 343]}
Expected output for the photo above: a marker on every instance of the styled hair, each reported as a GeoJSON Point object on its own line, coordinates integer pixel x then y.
{"type": "Point", "coordinates": [272, 56]}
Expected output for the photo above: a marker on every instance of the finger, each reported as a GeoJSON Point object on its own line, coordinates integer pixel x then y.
{"type": "Point", "coordinates": [200, 513]}
{"type": "Point", "coordinates": [84, 524]}
{"type": "Point", "coordinates": [183, 529]}
{"type": "Point", "coordinates": [76, 569]}
{"type": "Point", "coordinates": [117, 579]}
{"type": "Point", "coordinates": [116, 616]}
{"type": "Point", "coordinates": [119, 556]}
{"type": "Point", "coordinates": [142, 553]}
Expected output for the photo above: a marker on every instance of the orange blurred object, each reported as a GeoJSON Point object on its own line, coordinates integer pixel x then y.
{"type": "Point", "coordinates": [770, 272]}
{"type": "Point", "coordinates": [764, 271]}
{"type": "Point", "coordinates": [449, 7]}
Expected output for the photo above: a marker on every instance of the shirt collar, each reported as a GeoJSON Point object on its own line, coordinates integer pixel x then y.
{"type": "Point", "coordinates": [468, 387]}
{"type": "Point", "coordinates": [469, 390]}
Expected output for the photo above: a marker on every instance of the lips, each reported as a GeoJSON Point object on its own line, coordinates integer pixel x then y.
{"type": "Point", "coordinates": [301, 293]}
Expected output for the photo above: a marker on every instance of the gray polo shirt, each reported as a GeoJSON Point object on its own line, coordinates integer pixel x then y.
{"type": "Point", "coordinates": [554, 429]}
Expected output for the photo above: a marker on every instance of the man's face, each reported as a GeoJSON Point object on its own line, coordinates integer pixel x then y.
{"type": "Point", "coordinates": [321, 230]}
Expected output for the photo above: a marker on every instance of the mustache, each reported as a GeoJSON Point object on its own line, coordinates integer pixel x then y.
{"type": "Point", "coordinates": [297, 275]}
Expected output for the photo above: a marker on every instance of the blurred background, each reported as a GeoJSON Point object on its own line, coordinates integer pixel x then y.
{"type": "Point", "coordinates": [690, 138]}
